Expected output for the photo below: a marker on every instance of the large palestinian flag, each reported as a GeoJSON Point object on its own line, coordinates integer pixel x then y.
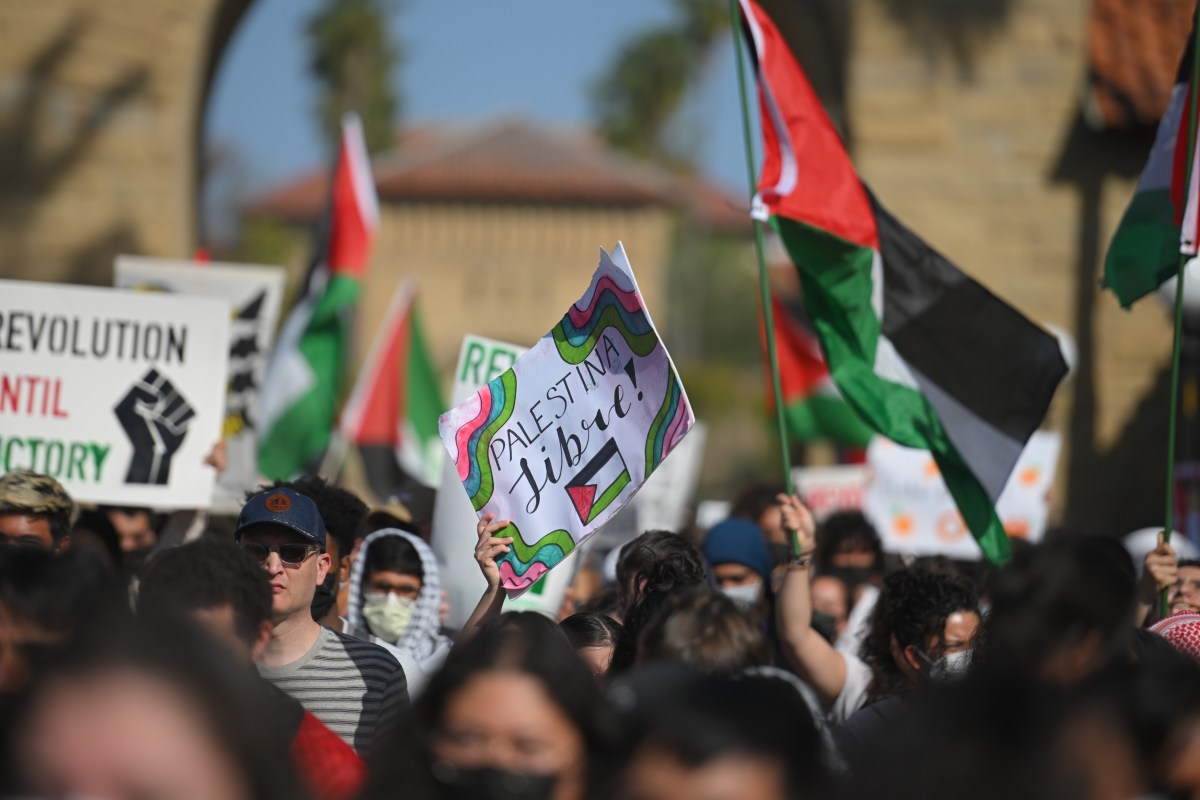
{"type": "Point", "coordinates": [813, 408]}
{"type": "Point", "coordinates": [925, 355]}
{"type": "Point", "coordinates": [305, 376]}
{"type": "Point", "coordinates": [1145, 248]}
{"type": "Point", "coordinates": [392, 414]}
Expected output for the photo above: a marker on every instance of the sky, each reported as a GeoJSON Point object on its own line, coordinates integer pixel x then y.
{"type": "Point", "coordinates": [465, 60]}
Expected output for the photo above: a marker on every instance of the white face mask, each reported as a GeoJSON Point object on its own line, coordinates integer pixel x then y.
{"type": "Point", "coordinates": [746, 597]}
{"type": "Point", "coordinates": [948, 667]}
{"type": "Point", "coordinates": [387, 615]}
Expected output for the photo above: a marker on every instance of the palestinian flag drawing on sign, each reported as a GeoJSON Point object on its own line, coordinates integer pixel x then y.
{"type": "Point", "coordinates": [925, 355]}
{"type": "Point", "coordinates": [813, 408]}
{"type": "Point", "coordinates": [1145, 248]}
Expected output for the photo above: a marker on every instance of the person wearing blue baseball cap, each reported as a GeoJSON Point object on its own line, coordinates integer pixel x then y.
{"type": "Point", "coordinates": [741, 564]}
{"type": "Point", "coordinates": [350, 685]}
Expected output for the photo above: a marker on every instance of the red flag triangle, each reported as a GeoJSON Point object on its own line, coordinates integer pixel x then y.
{"type": "Point", "coordinates": [583, 497]}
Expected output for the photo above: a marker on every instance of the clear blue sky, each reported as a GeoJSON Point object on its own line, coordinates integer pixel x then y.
{"type": "Point", "coordinates": [465, 60]}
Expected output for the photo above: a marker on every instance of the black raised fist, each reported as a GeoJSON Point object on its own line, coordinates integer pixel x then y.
{"type": "Point", "coordinates": [155, 418]}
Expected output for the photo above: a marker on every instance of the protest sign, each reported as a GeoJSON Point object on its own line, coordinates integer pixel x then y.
{"type": "Point", "coordinates": [559, 442]}
{"type": "Point", "coordinates": [908, 503]}
{"type": "Point", "coordinates": [453, 536]}
{"type": "Point", "coordinates": [255, 294]}
{"type": "Point", "coordinates": [826, 490]}
{"type": "Point", "coordinates": [118, 395]}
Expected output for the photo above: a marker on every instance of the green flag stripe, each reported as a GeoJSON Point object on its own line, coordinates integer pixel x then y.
{"type": "Point", "coordinates": [822, 416]}
{"type": "Point", "coordinates": [1145, 249]}
{"type": "Point", "coordinates": [836, 279]}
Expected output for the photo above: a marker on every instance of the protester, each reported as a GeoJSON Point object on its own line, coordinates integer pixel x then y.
{"type": "Point", "coordinates": [757, 502]}
{"type": "Point", "coordinates": [343, 514]}
{"type": "Point", "coordinates": [656, 561]}
{"type": "Point", "coordinates": [352, 686]}
{"type": "Point", "coordinates": [704, 736]}
{"type": "Point", "coordinates": [831, 607]}
{"type": "Point", "coordinates": [220, 587]}
{"type": "Point", "coordinates": [513, 713]}
{"type": "Point", "coordinates": [595, 637]}
{"type": "Point", "coordinates": [35, 511]}
{"type": "Point", "coordinates": [703, 629]}
{"type": "Point", "coordinates": [133, 712]}
{"type": "Point", "coordinates": [741, 565]}
{"type": "Point", "coordinates": [395, 595]}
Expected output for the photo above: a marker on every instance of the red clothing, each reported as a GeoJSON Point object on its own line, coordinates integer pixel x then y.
{"type": "Point", "coordinates": [329, 767]}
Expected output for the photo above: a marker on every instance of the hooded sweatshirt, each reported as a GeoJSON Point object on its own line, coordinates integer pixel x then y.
{"type": "Point", "coordinates": [421, 649]}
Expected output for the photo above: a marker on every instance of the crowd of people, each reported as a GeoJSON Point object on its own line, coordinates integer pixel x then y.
{"type": "Point", "coordinates": [302, 652]}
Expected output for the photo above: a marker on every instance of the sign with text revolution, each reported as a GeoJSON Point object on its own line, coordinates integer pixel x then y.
{"type": "Point", "coordinates": [118, 395]}
{"type": "Point", "coordinates": [560, 441]}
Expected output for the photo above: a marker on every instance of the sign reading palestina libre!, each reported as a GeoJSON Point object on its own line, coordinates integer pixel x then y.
{"type": "Point", "coordinates": [118, 395]}
{"type": "Point", "coordinates": [565, 437]}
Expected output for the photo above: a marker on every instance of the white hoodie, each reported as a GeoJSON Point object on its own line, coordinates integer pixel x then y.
{"type": "Point", "coordinates": [422, 648]}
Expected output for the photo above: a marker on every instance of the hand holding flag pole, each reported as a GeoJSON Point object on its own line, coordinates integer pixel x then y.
{"type": "Point", "coordinates": [764, 284]}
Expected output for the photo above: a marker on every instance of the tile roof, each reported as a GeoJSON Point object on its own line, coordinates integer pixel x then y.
{"type": "Point", "coordinates": [513, 160]}
{"type": "Point", "coordinates": [1134, 47]}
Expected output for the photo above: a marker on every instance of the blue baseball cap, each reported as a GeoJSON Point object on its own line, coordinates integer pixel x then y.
{"type": "Point", "coordinates": [285, 507]}
{"type": "Point", "coordinates": [738, 541]}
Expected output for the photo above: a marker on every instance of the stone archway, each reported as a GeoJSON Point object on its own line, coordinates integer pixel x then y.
{"type": "Point", "coordinates": [101, 111]}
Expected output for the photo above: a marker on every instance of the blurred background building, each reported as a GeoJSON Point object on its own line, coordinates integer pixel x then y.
{"type": "Point", "coordinates": [1008, 133]}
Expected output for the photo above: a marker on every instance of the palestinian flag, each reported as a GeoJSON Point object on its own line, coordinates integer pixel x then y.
{"type": "Point", "coordinates": [813, 408]}
{"type": "Point", "coordinates": [304, 379]}
{"type": "Point", "coordinates": [925, 355]}
{"type": "Point", "coordinates": [392, 414]}
{"type": "Point", "coordinates": [1146, 246]}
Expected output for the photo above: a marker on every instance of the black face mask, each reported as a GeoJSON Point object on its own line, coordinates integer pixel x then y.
{"type": "Point", "coordinates": [325, 596]}
{"type": "Point", "coordinates": [826, 625]}
{"type": "Point", "coordinates": [132, 561]}
{"type": "Point", "coordinates": [487, 783]}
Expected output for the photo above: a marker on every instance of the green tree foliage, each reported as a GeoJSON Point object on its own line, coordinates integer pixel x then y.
{"type": "Point", "coordinates": [352, 56]}
{"type": "Point", "coordinates": [644, 87]}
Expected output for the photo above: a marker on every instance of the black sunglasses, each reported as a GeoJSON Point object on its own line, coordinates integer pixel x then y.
{"type": "Point", "coordinates": [292, 553]}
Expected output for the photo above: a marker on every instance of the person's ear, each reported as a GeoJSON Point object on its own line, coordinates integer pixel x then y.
{"type": "Point", "coordinates": [324, 563]}
{"type": "Point", "coordinates": [64, 544]}
{"type": "Point", "coordinates": [913, 659]}
{"type": "Point", "coordinates": [261, 640]}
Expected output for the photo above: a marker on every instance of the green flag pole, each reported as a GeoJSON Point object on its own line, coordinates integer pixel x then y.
{"type": "Point", "coordinates": [1178, 340]}
{"type": "Point", "coordinates": [763, 283]}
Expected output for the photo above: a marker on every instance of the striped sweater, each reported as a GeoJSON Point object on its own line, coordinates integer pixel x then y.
{"type": "Point", "coordinates": [354, 687]}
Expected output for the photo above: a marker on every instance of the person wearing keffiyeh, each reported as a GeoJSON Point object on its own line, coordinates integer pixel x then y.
{"type": "Point", "coordinates": [395, 597]}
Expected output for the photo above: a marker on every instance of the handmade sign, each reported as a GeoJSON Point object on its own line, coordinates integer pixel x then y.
{"type": "Point", "coordinates": [559, 442]}
{"type": "Point", "coordinates": [118, 395]}
{"type": "Point", "coordinates": [255, 293]}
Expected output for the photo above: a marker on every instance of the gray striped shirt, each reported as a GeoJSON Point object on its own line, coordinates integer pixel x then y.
{"type": "Point", "coordinates": [354, 687]}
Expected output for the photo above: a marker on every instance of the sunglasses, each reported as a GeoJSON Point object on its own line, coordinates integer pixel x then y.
{"type": "Point", "coordinates": [291, 553]}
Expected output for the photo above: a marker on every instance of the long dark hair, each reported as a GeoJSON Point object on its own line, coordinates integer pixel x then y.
{"type": "Point", "coordinates": [527, 643]}
{"type": "Point", "coordinates": [912, 607]}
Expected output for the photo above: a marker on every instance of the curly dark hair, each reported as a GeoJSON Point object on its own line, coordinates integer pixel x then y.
{"type": "Point", "coordinates": [664, 560]}
{"type": "Point", "coordinates": [847, 530]}
{"type": "Point", "coordinates": [912, 609]}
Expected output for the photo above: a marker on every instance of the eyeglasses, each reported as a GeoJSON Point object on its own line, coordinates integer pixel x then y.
{"type": "Point", "coordinates": [292, 553]}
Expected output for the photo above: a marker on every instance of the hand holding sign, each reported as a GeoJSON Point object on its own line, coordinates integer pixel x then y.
{"type": "Point", "coordinates": [155, 418]}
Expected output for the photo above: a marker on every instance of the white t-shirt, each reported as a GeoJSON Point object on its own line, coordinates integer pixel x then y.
{"type": "Point", "coordinates": [850, 642]}
{"type": "Point", "coordinates": [854, 691]}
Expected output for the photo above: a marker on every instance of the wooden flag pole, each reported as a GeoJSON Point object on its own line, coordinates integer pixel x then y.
{"type": "Point", "coordinates": [1176, 348]}
{"type": "Point", "coordinates": [763, 282]}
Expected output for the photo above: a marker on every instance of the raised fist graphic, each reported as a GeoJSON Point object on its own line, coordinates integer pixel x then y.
{"type": "Point", "coordinates": [155, 418]}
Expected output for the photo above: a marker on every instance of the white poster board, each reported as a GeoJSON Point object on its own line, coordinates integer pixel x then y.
{"type": "Point", "coordinates": [907, 502]}
{"type": "Point", "coordinates": [255, 294]}
{"type": "Point", "coordinates": [118, 395]}
{"type": "Point", "coordinates": [827, 490]}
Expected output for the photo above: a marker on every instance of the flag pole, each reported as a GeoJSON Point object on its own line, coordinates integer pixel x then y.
{"type": "Point", "coordinates": [1177, 347]}
{"type": "Point", "coordinates": [763, 283]}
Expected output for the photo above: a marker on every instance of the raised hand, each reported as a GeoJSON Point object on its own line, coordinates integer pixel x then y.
{"type": "Point", "coordinates": [490, 547]}
{"type": "Point", "coordinates": [797, 519]}
{"type": "Point", "coordinates": [155, 418]}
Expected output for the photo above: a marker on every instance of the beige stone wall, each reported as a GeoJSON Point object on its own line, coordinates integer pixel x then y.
{"type": "Point", "coordinates": [977, 167]}
{"type": "Point", "coordinates": [99, 105]}
{"type": "Point", "coordinates": [508, 272]}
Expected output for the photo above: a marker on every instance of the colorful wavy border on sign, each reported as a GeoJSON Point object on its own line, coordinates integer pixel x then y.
{"type": "Point", "coordinates": [523, 564]}
{"type": "Point", "coordinates": [610, 306]}
{"type": "Point", "coordinates": [496, 403]}
{"type": "Point", "coordinates": [669, 426]}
